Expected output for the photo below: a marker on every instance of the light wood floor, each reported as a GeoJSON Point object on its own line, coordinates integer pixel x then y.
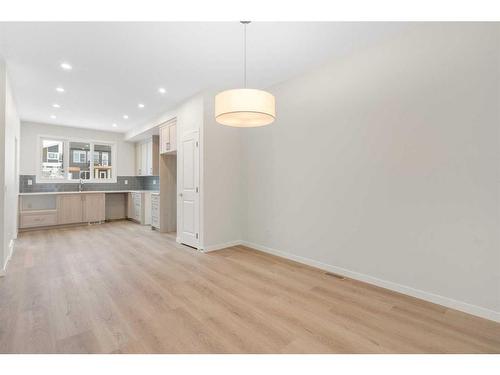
{"type": "Point", "coordinates": [122, 288]}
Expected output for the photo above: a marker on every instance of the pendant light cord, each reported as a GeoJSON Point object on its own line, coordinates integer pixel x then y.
{"type": "Point", "coordinates": [245, 23]}
{"type": "Point", "coordinates": [245, 55]}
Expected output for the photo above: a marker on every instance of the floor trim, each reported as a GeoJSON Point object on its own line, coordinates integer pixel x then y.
{"type": "Point", "coordinates": [222, 246]}
{"type": "Point", "coordinates": [430, 297]}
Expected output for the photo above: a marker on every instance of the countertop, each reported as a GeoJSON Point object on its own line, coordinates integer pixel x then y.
{"type": "Point", "coordinates": [90, 192]}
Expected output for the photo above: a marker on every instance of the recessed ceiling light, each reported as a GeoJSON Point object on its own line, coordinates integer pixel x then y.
{"type": "Point", "coordinates": [114, 125]}
{"type": "Point", "coordinates": [59, 89]}
{"type": "Point", "coordinates": [55, 105]}
{"type": "Point", "coordinates": [125, 117]}
{"type": "Point", "coordinates": [66, 66]}
{"type": "Point", "coordinates": [140, 105]}
{"type": "Point", "coordinates": [52, 116]}
{"type": "Point", "coordinates": [161, 90]}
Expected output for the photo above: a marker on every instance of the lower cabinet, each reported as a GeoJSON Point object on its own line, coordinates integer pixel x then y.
{"type": "Point", "coordinates": [155, 211]}
{"type": "Point", "coordinates": [139, 207]}
{"type": "Point", "coordinates": [59, 209]}
{"type": "Point", "coordinates": [69, 209]}
{"type": "Point", "coordinates": [81, 208]}
{"type": "Point", "coordinates": [94, 207]}
{"type": "Point", "coordinates": [39, 218]}
{"type": "Point", "coordinates": [135, 207]}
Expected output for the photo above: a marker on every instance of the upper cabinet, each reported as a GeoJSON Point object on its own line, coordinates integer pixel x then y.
{"type": "Point", "coordinates": [146, 157]}
{"type": "Point", "coordinates": [168, 138]}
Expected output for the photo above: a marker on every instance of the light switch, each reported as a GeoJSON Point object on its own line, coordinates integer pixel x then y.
{"type": "Point", "coordinates": [30, 182]}
{"type": "Point", "coordinates": [154, 182]}
{"type": "Point", "coordinates": [126, 182]}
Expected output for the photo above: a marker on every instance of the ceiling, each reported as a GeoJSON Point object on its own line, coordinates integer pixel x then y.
{"type": "Point", "coordinates": [116, 66]}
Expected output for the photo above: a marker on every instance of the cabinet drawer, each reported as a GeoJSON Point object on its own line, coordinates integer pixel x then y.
{"type": "Point", "coordinates": [38, 219]}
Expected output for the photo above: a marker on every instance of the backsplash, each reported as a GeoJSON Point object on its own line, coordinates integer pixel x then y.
{"type": "Point", "coordinates": [134, 183]}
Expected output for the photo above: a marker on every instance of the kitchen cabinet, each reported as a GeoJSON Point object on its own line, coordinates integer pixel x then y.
{"type": "Point", "coordinates": [139, 207]}
{"type": "Point", "coordinates": [40, 218]}
{"type": "Point", "coordinates": [147, 157]}
{"type": "Point", "coordinates": [70, 209]}
{"type": "Point", "coordinates": [81, 208]}
{"type": "Point", "coordinates": [138, 159]}
{"type": "Point", "coordinates": [94, 207]}
{"type": "Point", "coordinates": [155, 211]}
{"type": "Point", "coordinates": [168, 138]}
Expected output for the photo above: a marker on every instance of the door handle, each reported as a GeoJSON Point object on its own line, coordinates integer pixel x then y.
{"type": "Point", "coordinates": [180, 194]}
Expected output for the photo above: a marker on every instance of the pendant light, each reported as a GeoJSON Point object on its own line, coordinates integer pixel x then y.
{"type": "Point", "coordinates": [245, 108]}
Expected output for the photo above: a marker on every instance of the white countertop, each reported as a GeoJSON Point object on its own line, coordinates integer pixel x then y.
{"type": "Point", "coordinates": [90, 192]}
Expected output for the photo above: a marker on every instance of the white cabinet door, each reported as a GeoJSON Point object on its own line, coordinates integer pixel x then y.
{"type": "Point", "coordinates": [189, 195]}
{"type": "Point", "coordinates": [144, 159]}
{"type": "Point", "coordinates": [138, 159]}
{"type": "Point", "coordinates": [149, 161]}
{"type": "Point", "coordinates": [172, 131]}
{"type": "Point", "coordinates": [155, 210]}
{"type": "Point", "coordinates": [164, 139]}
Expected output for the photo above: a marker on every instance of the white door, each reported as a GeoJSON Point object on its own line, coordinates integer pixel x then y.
{"type": "Point", "coordinates": [189, 191]}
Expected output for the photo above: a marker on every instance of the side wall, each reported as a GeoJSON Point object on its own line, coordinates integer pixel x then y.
{"type": "Point", "coordinates": [385, 167]}
{"type": "Point", "coordinates": [223, 176]}
{"type": "Point", "coordinates": [9, 171]}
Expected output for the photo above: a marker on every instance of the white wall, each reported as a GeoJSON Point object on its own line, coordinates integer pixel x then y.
{"type": "Point", "coordinates": [29, 153]}
{"type": "Point", "coordinates": [386, 165]}
{"type": "Point", "coordinates": [9, 177]}
{"type": "Point", "coordinates": [224, 199]}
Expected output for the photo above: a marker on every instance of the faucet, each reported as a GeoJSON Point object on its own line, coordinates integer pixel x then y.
{"type": "Point", "coordinates": [80, 186]}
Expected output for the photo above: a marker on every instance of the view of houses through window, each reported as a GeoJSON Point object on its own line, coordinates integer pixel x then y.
{"type": "Point", "coordinates": [87, 160]}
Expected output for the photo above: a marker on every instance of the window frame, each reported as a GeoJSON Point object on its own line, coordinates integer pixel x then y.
{"type": "Point", "coordinates": [80, 153]}
{"type": "Point", "coordinates": [66, 158]}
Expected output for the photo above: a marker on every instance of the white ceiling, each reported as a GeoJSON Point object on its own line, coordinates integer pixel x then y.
{"type": "Point", "coordinates": [118, 65]}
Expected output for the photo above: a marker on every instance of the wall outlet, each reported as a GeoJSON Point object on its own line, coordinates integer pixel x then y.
{"type": "Point", "coordinates": [30, 182]}
{"type": "Point", "coordinates": [126, 182]}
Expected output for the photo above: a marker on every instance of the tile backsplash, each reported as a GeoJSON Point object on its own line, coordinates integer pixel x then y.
{"type": "Point", "coordinates": [133, 183]}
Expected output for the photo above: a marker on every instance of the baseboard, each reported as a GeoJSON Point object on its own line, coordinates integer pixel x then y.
{"type": "Point", "coordinates": [11, 251]}
{"type": "Point", "coordinates": [430, 297]}
{"type": "Point", "coordinates": [221, 246]}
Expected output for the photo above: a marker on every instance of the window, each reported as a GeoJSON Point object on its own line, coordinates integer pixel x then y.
{"type": "Point", "coordinates": [52, 159]}
{"type": "Point", "coordinates": [52, 155]}
{"type": "Point", "coordinates": [102, 164]}
{"type": "Point", "coordinates": [79, 167]}
{"type": "Point", "coordinates": [88, 160]}
{"type": "Point", "coordinates": [79, 156]}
